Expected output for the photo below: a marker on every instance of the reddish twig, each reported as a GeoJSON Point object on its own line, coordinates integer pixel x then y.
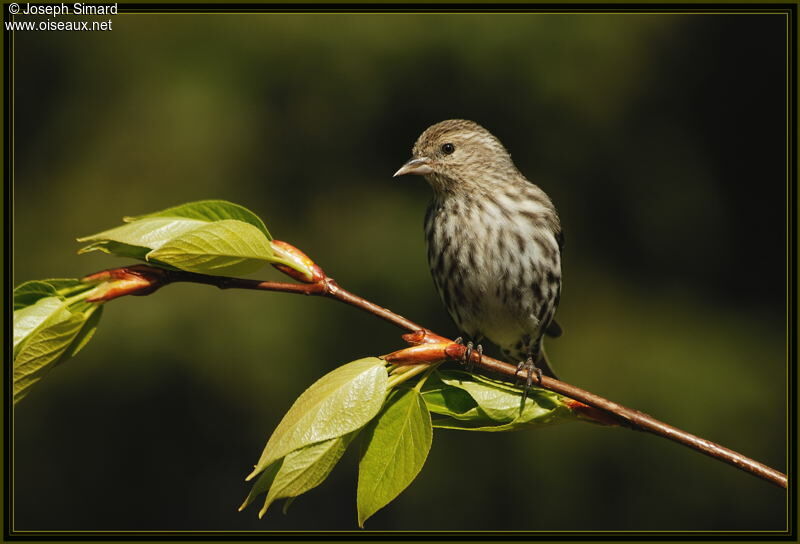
{"type": "Point", "coordinates": [144, 279]}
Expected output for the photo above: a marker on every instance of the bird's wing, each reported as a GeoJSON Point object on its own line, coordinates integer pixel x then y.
{"type": "Point", "coordinates": [553, 329]}
{"type": "Point", "coordinates": [560, 239]}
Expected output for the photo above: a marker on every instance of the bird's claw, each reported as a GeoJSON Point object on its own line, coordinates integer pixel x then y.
{"type": "Point", "coordinates": [530, 369]}
{"type": "Point", "coordinates": [467, 359]}
{"type": "Point", "coordinates": [470, 364]}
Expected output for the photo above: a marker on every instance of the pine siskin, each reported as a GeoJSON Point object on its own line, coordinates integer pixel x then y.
{"type": "Point", "coordinates": [494, 242]}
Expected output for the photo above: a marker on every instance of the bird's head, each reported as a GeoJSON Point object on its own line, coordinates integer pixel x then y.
{"type": "Point", "coordinates": [458, 155]}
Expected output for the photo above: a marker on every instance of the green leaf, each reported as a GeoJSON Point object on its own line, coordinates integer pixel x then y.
{"type": "Point", "coordinates": [44, 347]}
{"type": "Point", "coordinates": [28, 319]}
{"type": "Point", "coordinates": [306, 468]}
{"type": "Point", "coordinates": [48, 328]}
{"type": "Point", "coordinates": [227, 247]}
{"type": "Point", "coordinates": [340, 402]}
{"type": "Point", "coordinates": [26, 294]}
{"type": "Point", "coordinates": [209, 211]}
{"type": "Point", "coordinates": [447, 400]}
{"type": "Point", "coordinates": [67, 285]}
{"type": "Point", "coordinates": [149, 234]}
{"type": "Point", "coordinates": [116, 248]}
{"type": "Point", "coordinates": [263, 483]}
{"type": "Point", "coordinates": [499, 406]}
{"type": "Point", "coordinates": [496, 402]}
{"type": "Point", "coordinates": [397, 443]}
{"type": "Point", "coordinates": [207, 237]}
{"type": "Point", "coordinates": [300, 471]}
{"type": "Point", "coordinates": [458, 425]}
{"type": "Point", "coordinates": [92, 315]}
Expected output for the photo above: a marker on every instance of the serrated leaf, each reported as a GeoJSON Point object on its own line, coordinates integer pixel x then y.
{"type": "Point", "coordinates": [207, 236]}
{"type": "Point", "coordinates": [499, 405]}
{"type": "Point", "coordinates": [223, 248]}
{"type": "Point", "coordinates": [209, 211]}
{"type": "Point", "coordinates": [397, 443]}
{"type": "Point", "coordinates": [150, 233]}
{"type": "Point", "coordinates": [43, 349]}
{"type": "Point", "coordinates": [29, 292]}
{"type": "Point", "coordinates": [303, 470]}
{"type": "Point", "coordinates": [306, 468]}
{"type": "Point", "coordinates": [29, 318]}
{"type": "Point", "coordinates": [459, 425]}
{"type": "Point", "coordinates": [447, 400]}
{"type": "Point", "coordinates": [516, 425]}
{"type": "Point", "coordinates": [116, 248]}
{"type": "Point", "coordinates": [340, 402]}
{"type": "Point", "coordinates": [48, 331]}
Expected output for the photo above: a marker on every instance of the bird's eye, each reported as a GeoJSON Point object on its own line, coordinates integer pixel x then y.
{"type": "Point", "coordinates": [447, 149]}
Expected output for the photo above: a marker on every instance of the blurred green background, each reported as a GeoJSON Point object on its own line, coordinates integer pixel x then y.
{"type": "Point", "coordinates": [661, 139]}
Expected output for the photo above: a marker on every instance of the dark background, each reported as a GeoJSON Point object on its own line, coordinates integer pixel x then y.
{"type": "Point", "coordinates": [660, 137]}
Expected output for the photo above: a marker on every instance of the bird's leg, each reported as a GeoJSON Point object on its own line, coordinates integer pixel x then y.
{"type": "Point", "coordinates": [530, 369]}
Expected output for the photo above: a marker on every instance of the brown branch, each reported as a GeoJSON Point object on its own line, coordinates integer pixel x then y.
{"type": "Point", "coordinates": [144, 279]}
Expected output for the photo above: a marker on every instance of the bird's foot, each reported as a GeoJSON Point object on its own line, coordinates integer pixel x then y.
{"type": "Point", "coordinates": [530, 369]}
{"type": "Point", "coordinates": [467, 359]}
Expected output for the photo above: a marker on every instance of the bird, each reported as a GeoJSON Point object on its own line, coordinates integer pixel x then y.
{"type": "Point", "coordinates": [494, 243]}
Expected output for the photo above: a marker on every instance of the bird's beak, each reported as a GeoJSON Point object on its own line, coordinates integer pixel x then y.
{"type": "Point", "coordinates": [420, 166]}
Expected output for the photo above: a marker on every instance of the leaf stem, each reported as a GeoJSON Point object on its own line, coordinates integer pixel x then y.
{"type": "Point", "coordinates": [81, 288]}
{"type": "Point", "coordinates": [83, 295]}
{"type": "Point", "coordinates": [405, 375]}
